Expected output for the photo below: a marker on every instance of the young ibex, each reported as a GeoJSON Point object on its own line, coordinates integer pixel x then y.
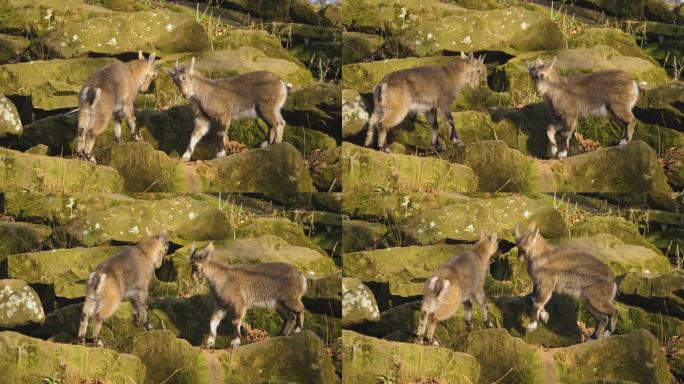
{"type": "Point", "coordinates": [236, 288]}
{"type": "Point", "coordinates": [109, 92]}
{"type": "Point", "coordinates": [126, 275]}
{"type": "Point", "coordinates": [430, 90]}
{"type": "Point", "coordinates": [570, 271]}
{"type": "Point", "coordinates": [460, 280]}
{"type": "Point", "coordinates": [606, 93]}
{"type": "Point", "coordinates": [256, 94]}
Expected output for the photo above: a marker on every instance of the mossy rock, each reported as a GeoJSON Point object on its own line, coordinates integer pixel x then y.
{"type": "Point", "coordinates": [624, 230]}
{"type": "Point", "coordinates": [40, 17]}
{"type": "Point", "coordinates": [272, 171]}
{"type": "Point", "coordinates": [45, 83]}
{"type": "Point", "coordinates": [11, 47]}
{"type": "Point", "coordinates": [327, 173]}
{"type": "Point", "coordinates": [356, 46]}
{"type": "Point", "coordinates": [631, 318]}
{"type": "Point", "coordinates": [514, 75]}
{"type": "Point", "coordinates": [29, 360]}
{"type": "Point", "coordinates": [60, 207]}
{"type": "Point", "coordinates": [323, 58]}
{"type": "Point", "coordinates": [367, 169]}
{"type": "Point", "coordinates": [37, 173]}
{"type": "Point", "coordinates": [467, 219]}
{"type": "Point", "coordinates": [358, 235]}
{"type": "Point", "coordinates": [375, 206]}
{"type": "Point", "coordinates": [661, 293]}
{"type": "Point", "coordinates": [510, 30]}
{"type": "Point", "coordinates": [612, 37]}
{"type": "Point", "coordinates": [299, 11]}
{"type": "Point", "coordinates": [621, 258]}
{"type": "Point", "coordinates": [255, 38]}
{"type": "Point", "coordinates": [19, 237]}
{"type": "Point", "coordinates": [635, 357]}
{"type": "Point", "coordinates": [355, 113]}
{"type": "Point", "coordinates": [159, 172]}
{"type": "Point", "coordinates": [662, 105]}
{"type": "Point", "coordinates": [364, 76]}
{"type": "Point", "coordinates": [19, 304]}
{"type": "Point", "coordinates": [499, 168]}
{"type": "Point", "coordinates": [358, 303]}
{"type": "Point", "coordinates": [292, 233]}
{"type": "Point", "coordinates": [185, 217]}
{"type": "Point", "coordinates": [404, 269]}
{"type": "Point", "coordinates": [367, 360]}
{"type": "Point", "coordinates": [9, 118]}
{"type": "Point", "coordinates": [316, 107]}
{"type": "Point", "coordinates": [160, 30]}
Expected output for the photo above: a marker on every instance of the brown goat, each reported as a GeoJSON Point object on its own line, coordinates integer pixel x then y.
{"type": "Point", "coordinates": [430, 90]}
{"type": "Point", "coordinates": [109, 92]}
{"type": "Point", "coordinates": [256, 94]}
{"type": "Point", "coordinates": [570, 271]}
{"type": "Point", "coordinates": [236, 288]}
{"type": "Point", "coordinates": [126, 275]}
{"type": "Point", "coordinates": [460, 280]}
{"type": "Point", "coordinates": [606, 93]}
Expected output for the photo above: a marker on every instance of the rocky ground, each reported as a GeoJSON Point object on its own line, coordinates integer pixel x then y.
{"type": "Point", "coordinates": [503, 122]}
{"type": "Point", "coordinates": [48, 48]}
{"type": "Point", "coordinates": [387, 258]}
{"type": "Point", "coordinates": [52, 242]}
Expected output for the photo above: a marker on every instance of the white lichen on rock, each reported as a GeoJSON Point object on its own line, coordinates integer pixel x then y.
{"type": "Point", "coordinates": [358, 303]}
{"type": "Point", "coordinates": [19, 304]}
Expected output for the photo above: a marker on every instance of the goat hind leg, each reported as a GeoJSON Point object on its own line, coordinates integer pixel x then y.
{"type": "Point", "coordinates": [216, 317]}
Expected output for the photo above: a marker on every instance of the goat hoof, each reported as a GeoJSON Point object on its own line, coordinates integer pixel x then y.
{"type": "Point", "coordinates": [263, 144]}
{"type": "Point", "coordinates": [136, 320]}
{"type": "Point", "coordinates": [91, 158]}
{"type": "Point", "coordinates": [137, 137]}
{"type": "Point", "coordinates": [97, 342]}
{"type": "Point", "coordinates": [469, 325]}
{"type": "Point", "coordinates": [386, 150]}
{"type": "Point", "coordinates": [489, 324]}
{"type": "Point", "coordinates": [118, 141]}
{"type": "Point", "coordinates": [418, 340]}
{"type": "Point", "coordinates": [544, 316]}
{"type": "Point", "coordinates": [81, 341]}
{"type": "Point", "coordinates": [438, 148]}
{"type": "Point", "coordinates": [148, 327]}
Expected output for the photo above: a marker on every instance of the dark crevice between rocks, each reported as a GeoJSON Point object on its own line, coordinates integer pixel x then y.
{"type": "Point", "coordinates": [123, 56]}
{"type": "Point", "coordinates": [331, 308]}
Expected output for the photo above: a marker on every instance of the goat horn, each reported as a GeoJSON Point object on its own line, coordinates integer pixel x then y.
{"type": "Point", "coordinates": [176, 64]}
{"type": "Point", "coordinates": [192, 65]}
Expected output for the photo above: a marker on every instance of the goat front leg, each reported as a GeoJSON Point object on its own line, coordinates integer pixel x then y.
{"type": "Point", "coordinates": [222, 135]}
{"type": "Point", "coordinates": [431, 117]}
{"type": "Point", "coordinates": [140, 310]}
{"type": "Point", "coordinates": [455, 138]}
{"type": "Point", "coordinates": [216, 317]}
{"type": "Point", "coordinates": [129, 115]}
{"type": "Point", "coordinates": [482, 302]}
{"type": "Point", "coordinates": [551, 131]}
{"type": "Point", "coordinates": [541, 296]}
{"type": "Point", "coordinates": [201, 129]}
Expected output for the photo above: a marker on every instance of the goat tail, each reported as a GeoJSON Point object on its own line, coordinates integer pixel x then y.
{"type": "Point", "coordinates": [90, 96]}
{"type": "Point", "coordinates": [379, 93]}
{"type": "Point", "coordinates": [95, 285]}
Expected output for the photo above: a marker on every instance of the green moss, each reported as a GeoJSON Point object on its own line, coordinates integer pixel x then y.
{"type": "Point", "coordinates": [370, 170]}
{"type": "Point", "coordinates": [29, 360]}
{"type": "Point", "coordinates": [356, 46]}
{"type": "Point", "coordinates": [292, 233]}
{"type": "Point", "coordinates": [359, 235]}
{"type": "Point", "coordinates": [51, 174]}
{"type": "Point", "coordinates": [612, 37]}
{"type": "Point", "coordinates": [366, 360]}
{"type": "Point", "coordinates": [20, 237]}
{"type": "Point", "coordinates": [655, 292]}
{"type": "Point", "coordinates": [624, 230]}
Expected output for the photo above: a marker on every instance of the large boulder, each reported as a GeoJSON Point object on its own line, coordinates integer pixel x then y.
{"type": "Point", "coordinates": [145, 169]}
{"type": "Point", "coordinates": [316, 106]}
{"type": "Point", "coordinates": [467, 219]}
{"type": "Point", "coordinates": [159, 30]}
{"type": "Point", "coordinates": [39, 173]}
{"type": "Point", "coordinates": [42, 16]}
{"type": "Point", "coordinates": [511, 30]}
{"type": "Point", "coordinates": [272, 171]}
{"type": "Point", "coordinates": [59, 207]}
{"type": "Point", "coordinates": [9, 118]}
{"type": "Point", "coordinates": [355, 113]}
{"type": "Point", "coordinates": [18, 237]}
{"type": "Point", "coordinates": [357, 46]}
{"type": "Point", "coordinates": [378, 206]}
{"type": "Point", "coordinates": [358, 303]}
{"type": "Point", "coordinates": [404, 269]}
{"type": "Point", "coordinates": [12, 47]}
{"type": "Point", "coordinates": [358, 235]}
{"type": "Point", "coordinates": [364, 76]}
{"type": "Point", "coordinates": [187, 219]}
{"type": "Point", "coordinates": [363, 15]}
{"type": "Point", "coordinates": [19, 304]}
{"type": "Point", "coordinates": [44, 81]}
{"type": "Point", "coordinates": [626, 231]}
{"type": "Point", "coordinates": [367, 360]}
{"type": "Point", "coordinates": [514, 74]}
{"type": "Point", "coordinates": [620, 257]}
{"type": "Point", "coordinates": [289, 231]}
{"type": "Point", "coordinates": [663, 293]}
{"type": "Point", "coordinates": [29, 360]}
{"type": "Point", "coordinates": [621, 41]}
{"type": "Point", "coordinates": [367, 169]}
{"type": "Point", "coordinates": [662, 105]}
{"type": "Point", "coordinates": [326, 171]}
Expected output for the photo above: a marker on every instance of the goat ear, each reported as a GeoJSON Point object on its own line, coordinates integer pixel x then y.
{"type": "Point", "coordinates": [140, 56]}
{"type": "Point", "coordinates": [481, 58]}
{"type": "Point", "coordinates": [529, 67]}
{"type": "Point", "coordinates": [164, 235]}
{"type": "Point", "coordinates": [471, 57]}
{"type": "Point", "coordinates": [463, 55]}
{"type": "Point", "coordinates": [192, 65]}
{"type": "Point", "coordinates": [151, 58]}
{"type": "Point", "coordinates": [192, 249]}
{"type": "Point", "coordinates": [517, 233]}
{"type": "Point", "coordinates": [553, 62]}
{"type": "Point", "coordinates": [148, 232]}
{"type": "Point", "coordinates": [210, 247]}
{"type": "Point", "coordinates": [539, 62]}
{"type": "Point", "coordinates": [176, 65]}
{"type": "Point", "coordinates": [493, 238]}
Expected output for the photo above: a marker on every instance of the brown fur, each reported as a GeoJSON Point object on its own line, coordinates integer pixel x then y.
{"type": "Point", "coordinates": [109, 92]}
{"type": "Point", "coordinates": [236, 288]}
{"type": "Point", "coordinates": [126, 275]}
{"type": "Point", "coordinates": [430, 90]}
{"type": "Point", "coordinates": [607, 93]}
{"type": "Point", "coordinates": [256, 94]}
{"type": "Point", "coordinates": [570, 271]}
{"type": "Point", "coordinates": [460, 280]}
